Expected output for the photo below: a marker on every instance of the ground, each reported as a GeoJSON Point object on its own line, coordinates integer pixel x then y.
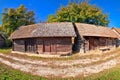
{"type": "Point", "coordinates": [78, 66]}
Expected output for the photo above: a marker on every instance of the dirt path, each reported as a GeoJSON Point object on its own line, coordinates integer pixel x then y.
{"type": "Point", "coordinates": [60, 63]}
{"type": "Point", "coordinates": [42, 68]}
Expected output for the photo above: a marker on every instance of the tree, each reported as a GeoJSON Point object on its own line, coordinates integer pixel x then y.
{"type": "Point", "coordinates": [82, 12]}
{"type": "Point", "coordinates": [14, 18]}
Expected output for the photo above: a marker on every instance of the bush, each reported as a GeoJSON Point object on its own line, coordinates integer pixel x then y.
{"type": "Point", "coordinates": [8, 43]}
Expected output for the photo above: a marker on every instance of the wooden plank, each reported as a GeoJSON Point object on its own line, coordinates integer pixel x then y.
{"type": "Point", "coordinates": [53, 47]}
{"type": "Point", "coordinates": [30, 45]}
{"type": "Point", "coordinates": [39, 43]}
{"type": "Point", "coordinates": [91, 43]}
{"type": "Point", "coordinates": [46, 46]}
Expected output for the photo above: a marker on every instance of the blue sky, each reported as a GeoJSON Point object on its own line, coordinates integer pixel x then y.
{"type": "Point", "coordinates": [43, 8]}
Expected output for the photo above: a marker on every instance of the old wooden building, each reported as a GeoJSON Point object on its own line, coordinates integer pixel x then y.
{"type": "Point", "coordinates": [2, 41]}
{"type": "Point", "coordinates": [43, 38]}
{"type": "Point", "coordinates": [91, 37]}
{"type": "Point", "coordinates": [117, 31]}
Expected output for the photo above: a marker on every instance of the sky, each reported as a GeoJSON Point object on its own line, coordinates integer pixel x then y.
{"type": "Point", "coordinates": [43, 8]}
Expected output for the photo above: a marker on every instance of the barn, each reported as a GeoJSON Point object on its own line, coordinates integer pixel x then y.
{"type": "Point", "coordinates": [91, 37]}
{"type": "Point", "coordinates": [44, 38]}
{"type": "Point", "coordinates": [2, 41]}
{"type": "Point", "coordinates": [117, 31]}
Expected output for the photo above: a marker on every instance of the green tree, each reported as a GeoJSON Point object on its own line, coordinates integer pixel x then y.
{"type": "Point", "coordinates": [14, 18]}
{"type": "Point", "coordinates": [82, 12]}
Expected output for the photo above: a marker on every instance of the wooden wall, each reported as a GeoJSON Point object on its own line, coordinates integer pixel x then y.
{"type": "Point", "coordinates": [39, 42]}
{"type": "Point", "coordinates": [117, 42]}
{"type": "Point", "coordinates": [2, 41]}
{"type": "Point", "coordinates": [41, 45]}
{"type": "Point", "coordinates": [92, 43]}
{"type": "Point", "coordinates": [30, 45]}
{"type": "Point", "coordinates": [54, 45]}
{"type": "Point", "coordinates": [18, 45]}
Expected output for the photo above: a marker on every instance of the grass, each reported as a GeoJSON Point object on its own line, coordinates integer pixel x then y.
{"type": "Point", "coordinates": [111, 74]}
{"type": "Point", "coordinates": [5, 50]}
{"type": "Point", "coordinates": [7, 73]}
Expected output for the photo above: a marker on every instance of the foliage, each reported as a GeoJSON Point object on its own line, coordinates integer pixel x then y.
{"type": "Point", "coordinates": [82, 12]}
{"type": "Point", "coordinates": [8, 43]}
{"type": "Point", "coordinates": [14, 18]}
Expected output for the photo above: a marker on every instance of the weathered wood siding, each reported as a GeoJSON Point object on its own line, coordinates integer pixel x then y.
{"type": "Point", "coordinates": [118, 43]}
{"type": "Point", "coordinates": [30, 45]}
{"type": "Point", "coordinates": [19, 45]}
{"type": "Point", "coordinates": [92, 43]}
{"type": "Point", "coordinates": [41, 45]}
{"type": "Point", "coordinates": [64, 44]}
{"type": "Point", "coordinates": [54, 45]}
{"type": "Point", "coordinates": [2, 41]}
{"type": "Point", "coordinates": [39, 42]}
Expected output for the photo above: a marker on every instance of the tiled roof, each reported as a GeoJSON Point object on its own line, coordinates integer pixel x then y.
{"type": "Point", "coordinates": [58, 29]}
{"type": "Point", "coordinates": [92, 30]}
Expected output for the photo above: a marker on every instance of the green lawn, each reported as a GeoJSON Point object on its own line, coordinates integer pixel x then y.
{"type": "Point", "coordinates": [5, 50]}
{"type": "Point", "coordinates": [111, 74]}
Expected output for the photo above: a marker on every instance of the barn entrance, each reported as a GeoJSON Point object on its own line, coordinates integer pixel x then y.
{"type": "Point", "coordinates": [91, 43]}
{"type": "Point", "coordinates": [46, 46]}
{"type": "Point", "coordinates": [53, 47]}
{"type": "Point", "coordinates": [30, 45]}
{"type": "Point", "coordinates": [49, 45]}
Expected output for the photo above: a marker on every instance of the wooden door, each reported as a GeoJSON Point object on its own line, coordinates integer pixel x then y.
{"type": "Point", "coordinates": [40, 45]}
{"type": "Point", "coordinates": [46, 47]}
{"type": "Point", "coordinates": [91, 43]}
{"type": "Point", "coordinates": [53, 47]}
{"type": "Point", "coordinates": [30, 45]}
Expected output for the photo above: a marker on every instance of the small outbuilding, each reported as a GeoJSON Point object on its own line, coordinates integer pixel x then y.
{"type": "Point", "coordinates": [43, 38]}
{"type": "Point", "coordinates": [2, 41]}
{"type": "Point", "coordinates": [91, 37]}
{"type": "Point", "coordinates": [117, 31]}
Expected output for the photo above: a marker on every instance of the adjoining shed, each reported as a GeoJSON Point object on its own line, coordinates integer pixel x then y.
{"type": "Point", "coordinates": [54, 38]}
{"type": "Point", "coordinates": [2, 41]}
{"type": "Point", "coordinates": [117, 31]}
{"type": "Point", "coordinates": [91, 37]}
